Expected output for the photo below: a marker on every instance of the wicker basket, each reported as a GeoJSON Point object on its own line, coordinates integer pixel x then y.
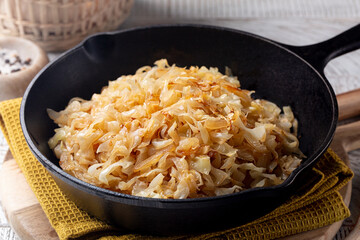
{"type": "Point", "coordinates": [57, 25]}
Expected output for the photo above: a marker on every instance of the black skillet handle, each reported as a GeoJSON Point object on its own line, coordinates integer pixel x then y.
{"type": "Point", "coordinates": [318, 55]}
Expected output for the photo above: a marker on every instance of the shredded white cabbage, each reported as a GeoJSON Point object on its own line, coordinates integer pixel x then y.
{"type": "Point", "coordinates": [171, 132]}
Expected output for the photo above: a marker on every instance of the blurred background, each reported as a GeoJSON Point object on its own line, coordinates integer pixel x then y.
{"type": "Point", "coordinates": [295, 22]}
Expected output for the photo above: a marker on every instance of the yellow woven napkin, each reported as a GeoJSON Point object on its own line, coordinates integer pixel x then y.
{"type": "Point", "coordinates": [318, 204]}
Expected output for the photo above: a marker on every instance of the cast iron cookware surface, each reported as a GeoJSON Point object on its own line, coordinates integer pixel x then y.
{"type": "Point", "coordinates": [286, 75]}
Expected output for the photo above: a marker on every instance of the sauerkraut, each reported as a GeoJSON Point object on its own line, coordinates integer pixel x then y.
{"type": "Point", "coordinates": [172, 132]}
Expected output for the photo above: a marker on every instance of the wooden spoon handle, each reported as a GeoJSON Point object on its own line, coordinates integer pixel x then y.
{"type": "Point", "coordinates": [349, 104]}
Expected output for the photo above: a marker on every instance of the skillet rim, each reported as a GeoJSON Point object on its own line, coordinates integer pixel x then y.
{"type": "Point", "coordinates": [154, 202]}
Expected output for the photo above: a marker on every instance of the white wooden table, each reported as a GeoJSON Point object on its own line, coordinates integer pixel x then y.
{"type": "Point", "coordinates": [296, 22]}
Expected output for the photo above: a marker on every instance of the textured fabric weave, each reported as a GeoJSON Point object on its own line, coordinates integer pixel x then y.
{"type": "Point", "coordinates": [316, 205]}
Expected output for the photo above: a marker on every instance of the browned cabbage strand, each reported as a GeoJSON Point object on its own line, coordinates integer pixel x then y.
{"type": "Point", "coordinates": [171, 132]}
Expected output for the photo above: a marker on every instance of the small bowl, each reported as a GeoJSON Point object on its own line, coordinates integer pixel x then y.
{"type": "Point", "coordinates": [13, 85]}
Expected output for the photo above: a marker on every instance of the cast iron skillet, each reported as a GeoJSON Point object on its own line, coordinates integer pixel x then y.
{"type": "Point", "coordinates": [286, 75]}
